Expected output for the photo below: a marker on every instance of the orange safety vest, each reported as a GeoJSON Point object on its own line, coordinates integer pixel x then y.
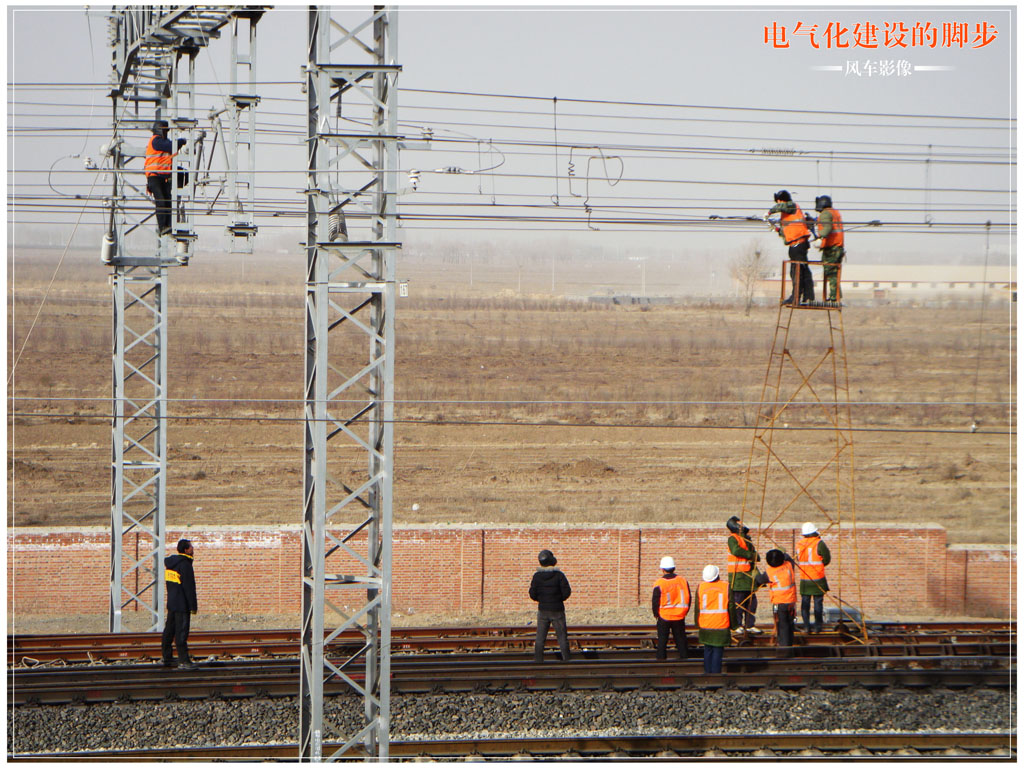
{"type": "Point", "coordinates": [675, 598]}
{"type": "Point", "coordinates": [794, 229]}
{"type": "Point", "coordinates": [713, 598]}
{"type": "Point", "coordinates": [835, 237]}
{"type": "Point", "coordinates": [157, 163]}
{"type": "Point", "coordinates": [738, 564]}
{"type": "Point", "coordinates": [811, 565]}
{"type": "Point", "coordinates": [783, 582]}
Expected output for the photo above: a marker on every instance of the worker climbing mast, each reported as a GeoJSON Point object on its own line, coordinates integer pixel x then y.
{"type": "Point", "coordinates": [801, 457]}
{"type": "Point", "coordinates": [153, 151]}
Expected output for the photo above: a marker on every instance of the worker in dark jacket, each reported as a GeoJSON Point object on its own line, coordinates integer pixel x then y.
{"type": "Point", "coordinates": [670, 602]}
{"type": "Point", "coordinates": [549, 589]}
{"type": "Point", "coordinates": [181, 604]}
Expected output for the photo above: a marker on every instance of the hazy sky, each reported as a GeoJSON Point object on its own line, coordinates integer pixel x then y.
{"type": "Point", "coordinates": [892, 132]}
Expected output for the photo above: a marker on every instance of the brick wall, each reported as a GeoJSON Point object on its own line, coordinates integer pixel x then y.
{"type": "Point", "coordinates": [466, 568]}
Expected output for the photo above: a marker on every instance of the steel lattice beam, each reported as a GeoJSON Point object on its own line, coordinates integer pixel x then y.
{"type": "Point", "coordinates": [349, 409]}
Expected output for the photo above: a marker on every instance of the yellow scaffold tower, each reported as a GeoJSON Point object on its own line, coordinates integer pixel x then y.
{"type": "Point", "coordinates": [801, 457]}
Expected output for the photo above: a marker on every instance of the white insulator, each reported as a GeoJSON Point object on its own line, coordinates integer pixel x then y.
{"type": "Point", "coordinates": [108, 248]}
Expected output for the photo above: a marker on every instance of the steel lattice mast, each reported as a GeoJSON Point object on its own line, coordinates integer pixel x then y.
{"type": "Point", "coordinates": [350, 345]}
{"type": "Point", "coordinates": [152, 77]}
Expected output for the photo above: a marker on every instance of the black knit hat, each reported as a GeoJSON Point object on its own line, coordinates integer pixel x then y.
{"type": "Point", "coordinates": [546, 558]}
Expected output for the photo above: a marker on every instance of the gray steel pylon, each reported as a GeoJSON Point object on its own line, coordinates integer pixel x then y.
{"type": "Point", "coordinates": [349, 396]}
{"type": "Point", "coordinates": [147, 82]}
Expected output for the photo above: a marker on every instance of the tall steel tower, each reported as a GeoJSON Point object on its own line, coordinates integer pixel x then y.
{"type": "Point", "coordinates": [350, 356]}
{"type": "Point", "coordinates": [152, 77]}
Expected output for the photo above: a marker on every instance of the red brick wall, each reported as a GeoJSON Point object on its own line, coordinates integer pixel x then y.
{"type": "Point", "coordinates": [473, 568]}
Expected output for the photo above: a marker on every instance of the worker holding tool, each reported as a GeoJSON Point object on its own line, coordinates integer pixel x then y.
{"type": "Point", "coordinates": [794, 232]}
{"type": "Point", "coordinates": [830, 242]}
{"type": "Point", "coordinates": [781, 577]}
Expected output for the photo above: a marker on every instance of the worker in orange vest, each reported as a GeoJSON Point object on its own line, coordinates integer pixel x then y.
{"type": "Point", "coordinates": [781, 578]}
{"type": "Point", "coordinates": [670, 602]}
{"type": "Point", "coordinates": [711, 611]}
{"type": "Point", "coordinates": [159, 166]}
{"type": "Point", "coordinates": [793, 230]}
{"type": "Point", "coordinates": [742, 595]}
{"type": "Point", "coordinates": [830, 243]}
{"type": "Point", "coordinates": [812, 555]}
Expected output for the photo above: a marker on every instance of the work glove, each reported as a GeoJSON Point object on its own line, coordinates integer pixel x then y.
{"type": "Point", "coordinates": [765, 217]}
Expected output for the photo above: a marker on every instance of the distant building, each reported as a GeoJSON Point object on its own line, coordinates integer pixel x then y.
{"type": "Point", "coordinates": [924, 282]}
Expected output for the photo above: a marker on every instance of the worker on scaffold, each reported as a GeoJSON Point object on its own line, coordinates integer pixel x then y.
{"type": "Point", "coordinates": [794, 232]}
{"type": "Point", "coordinates": [830, 243]}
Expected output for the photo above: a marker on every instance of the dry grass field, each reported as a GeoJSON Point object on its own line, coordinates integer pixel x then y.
{"type": "Point", "coordinates": [514, 404]}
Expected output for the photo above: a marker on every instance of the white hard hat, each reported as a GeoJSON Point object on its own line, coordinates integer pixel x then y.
{"type": "Point", "coordinates": [667, 563]}
{"type": "Point", "coordinates": [808, 529]}
{"type": "Point", "coordinates": [710, 572]}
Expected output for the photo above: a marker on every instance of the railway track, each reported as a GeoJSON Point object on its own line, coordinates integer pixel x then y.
{"type": "Point", "coordinates": [279, 677]}
{"type": "Point", "coordinates": [996, 747]}
{"type": "Point", "coordinates": [950, 639]}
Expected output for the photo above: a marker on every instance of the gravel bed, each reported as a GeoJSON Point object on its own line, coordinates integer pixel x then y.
{"type": "Point", "coordinates": [267, 721]}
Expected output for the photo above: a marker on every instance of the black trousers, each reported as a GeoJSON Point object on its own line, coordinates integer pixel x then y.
{"type": "Point", "coordinates": [160, 188]}
{"type": "Point", "coordinates": [678, 630]}
{"type": "Point", "coordinates": [800, 274]}
{"type": "Point", "coordinates": [785, 618]}
{"type": "Point", "coordinates": [805, 611]}
{"type": "Point", "coordinates": [742, 609]}
{"type": "Point", "coordinates": [176, 628]}
{"type": "Point", "coordinates": [555, 620]}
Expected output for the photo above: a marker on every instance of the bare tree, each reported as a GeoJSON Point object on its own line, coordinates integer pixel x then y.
{"type": "Point", "coordinates": [746, 269]}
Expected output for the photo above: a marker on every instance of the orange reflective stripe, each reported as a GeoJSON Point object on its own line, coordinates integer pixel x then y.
{"type": "Point", "coordinates": [811, 565]}
{"type": "Point", "coordinates": [173, 576]}
{"type": "Point", "coordinates": [157, 163]}
{"type": "Point", "coordinates": [783, 581]}
{"type": "Point", "coordinates": [793, 226]}
{"type": "Point", "coordinates": [835, 237]}
{"type": "Point", "coordinates": [714, 605]}
{"type": "Point", "coordinates": [738, 564]}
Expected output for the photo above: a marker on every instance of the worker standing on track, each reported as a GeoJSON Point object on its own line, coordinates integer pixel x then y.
{"type": "Point", "coordinates": [812, 557]}
{"type": "Point", "coordinates": [794, 232]}
{"type": "Point", "coordinates": [742, 597]}
{"type": "Point", "coordinates": [711, 612]}
{"type": "Point", "coordinates": [670, 602]}
{"type": "Point", "coordinates": [830, 234]}
{"type": "Point", "coordinates": [781, 576]}
{"type": "Point", "coordinates": [549, 589]}
{"type": "Point", "coordinates": [181, 604]}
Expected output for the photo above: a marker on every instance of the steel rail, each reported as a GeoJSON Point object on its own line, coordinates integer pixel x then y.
{"type": "Point", "coordinates": [256, 643]}
{"type": "Point", "coordinates": [1001, 747]}
{"type": "Point", "coordinates": [434, 675]}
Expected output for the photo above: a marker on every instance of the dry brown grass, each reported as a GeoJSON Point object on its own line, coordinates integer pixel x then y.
{"type": "Point", "coordinates": [609, 413]}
